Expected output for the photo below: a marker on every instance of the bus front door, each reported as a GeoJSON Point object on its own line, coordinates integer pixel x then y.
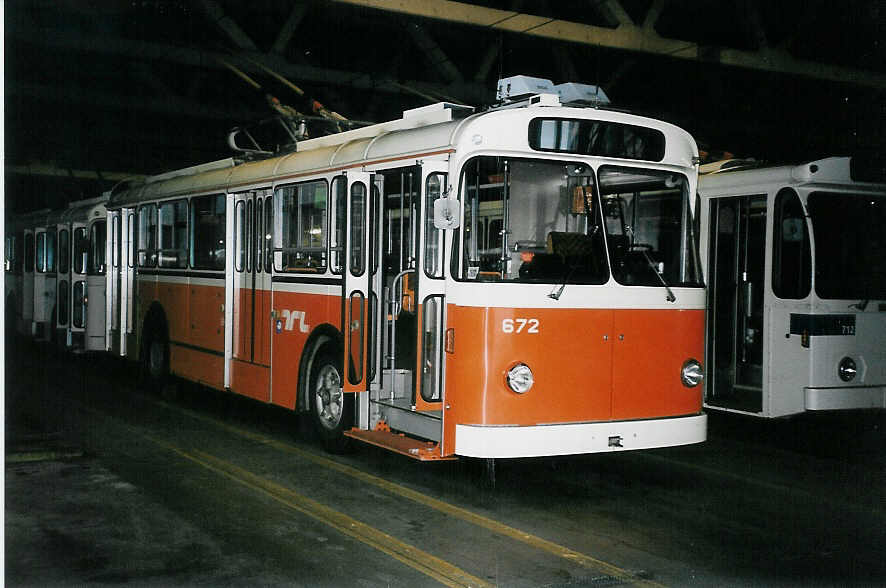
{"type": "Point", "coordinates": [355, 288]}
{"type": "Point", "coordinates": [735, 327]}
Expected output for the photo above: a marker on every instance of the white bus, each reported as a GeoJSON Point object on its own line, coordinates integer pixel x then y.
{"type": "Point", "coordinates": [55, 265]}
{"type": "Point", "coordinates": [796, 271]}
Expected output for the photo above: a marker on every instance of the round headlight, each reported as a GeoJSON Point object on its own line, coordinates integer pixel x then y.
{"type": "Point", "coordinates": [520, 378]}
{"type": "Point", "coordinates": [691, 375]}
{"type": "Point", "coordinates": [847, 369]}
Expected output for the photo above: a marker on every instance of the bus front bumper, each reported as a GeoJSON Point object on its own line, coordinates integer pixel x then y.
{"type": "Point", "coordinates": [575, 438]}
{"type": "Point", "coordinates": [845, 398]}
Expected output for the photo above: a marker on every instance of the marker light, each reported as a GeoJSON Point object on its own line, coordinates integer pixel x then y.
{"type": "Point", "coordinates": [520, 378]}
{"type": "Point", "coordinates": [847, 369]}
{"type": "Point", "coordinates": [691, 375]}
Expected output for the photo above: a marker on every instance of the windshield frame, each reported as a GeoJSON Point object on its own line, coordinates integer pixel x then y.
{"type": "Point", "coordinates": [523, 251]}
{"type": "Point", "coordinates": [689, 269]}
{"type": "Point", "coordinates": [461, 245]}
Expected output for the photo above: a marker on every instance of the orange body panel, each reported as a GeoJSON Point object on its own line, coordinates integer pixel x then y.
{"type": "Point", "coordinates": [207, 317]}
{"type": "Point", "coordinates": [174, 299]}
{"type": "Point", "coordinates": [263, 327]}
{"type": "Point", "coordinates": [356, 344]}
{"type": "Point", "coordinates": [197, 365]}
{"type": "Point", "coordinates": [242, 324]}
{"type": "Point", "coordinates": [146, 292]}
{"type": "Point", "coordinates": [252, 326]}
{"type": "Point", "coordinates": [582, 370]}
{"type": "Point", "coordinates": [647, 362]}
{"type": "Point", "coordinates": [251, 380]}
{"type": "Point", "coordinates": [288, 344]}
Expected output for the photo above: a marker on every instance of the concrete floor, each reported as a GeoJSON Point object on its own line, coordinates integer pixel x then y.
{"type": "Point", "coordinates": [106, 485]}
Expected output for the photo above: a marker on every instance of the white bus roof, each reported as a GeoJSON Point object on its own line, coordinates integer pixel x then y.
{"type": "Point", "coordinates": [831, 170]}
{"type": "Point", "coordinates": [435, 130]}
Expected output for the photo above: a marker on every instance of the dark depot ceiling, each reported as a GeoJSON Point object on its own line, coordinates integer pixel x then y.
{"type": "Point", "coordinates": [98, 90]}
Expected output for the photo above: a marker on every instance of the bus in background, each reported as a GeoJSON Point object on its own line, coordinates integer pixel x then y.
{"type": "Point", "coordinates": [351, 279]}
{"type": "Point", "coordinates": [43, 277]}
{"type": "Point", "coordinates": [82, 264]}
{"type": "Point", "coordinates": [51, 258]}
{"type": "Point", "coordinates": [796, 272]}
{"type": "Point", "coordinates": [19, 270]}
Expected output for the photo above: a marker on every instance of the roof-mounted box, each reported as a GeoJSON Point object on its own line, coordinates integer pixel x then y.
{"type": "Point", "coordinates": [517, 87]}
{"type": "Point", "coordinates": [572, 92]}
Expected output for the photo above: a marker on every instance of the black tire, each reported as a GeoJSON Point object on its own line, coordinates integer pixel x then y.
{"type": "Point", "coordinates": [332, 410]}
{"type": "Point", "coordinates": [155, 360]}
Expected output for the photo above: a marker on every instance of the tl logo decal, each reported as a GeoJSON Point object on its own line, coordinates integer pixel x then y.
{"type": "Point", "coordinates": [288, 321]}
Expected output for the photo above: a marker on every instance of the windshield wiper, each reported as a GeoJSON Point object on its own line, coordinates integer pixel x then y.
{"type": "Point", "coordinates": [860, 305]}
{"type": "Point", "coordinates": [555, 294]}
{"type": "Point", "coordinates": [670, 296]}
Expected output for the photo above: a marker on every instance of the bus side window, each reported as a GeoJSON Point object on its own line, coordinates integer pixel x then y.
{"type": "Point", "coordinates": [302, 209]}
{"type": "Point", "coordinates": [29, 252]}
{"type": "Point", "coordinates": [130, 255]}
{"type": "Point", "coordinates": [791, 265]}
{"type": "Point", "coordinates": [95, 263]}
{"type": "Point", "coordinates": [239, 236]}
{"type": "Point", "coordinates": [259, 235]}
{"type": "Point", "coordinates": [81, 250]}
{"type": "Point", "coordinates": [50, 251]}
{"type": "Point", "coordinates": [10, 252]}
{"type": "Point", "coordinates": [436, 186]}
{"type": "Point", "coordinates": [208, 232]}
{"type": "Point", "coordinates": [337, 222]}
{"type": "Point", "coordinates": [147, 236]}
{"type": "Point", "coordinates": [64, 251]}
{"type": "Point", "coordinates": [269, 233]}
{"type": "Point", "coordinates": [173, 234]}
{"type": "Point", "coordinates": [41, 253]}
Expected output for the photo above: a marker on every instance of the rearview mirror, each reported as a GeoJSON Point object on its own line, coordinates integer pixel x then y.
{"type": "Point", "coordinates": [446, 213]}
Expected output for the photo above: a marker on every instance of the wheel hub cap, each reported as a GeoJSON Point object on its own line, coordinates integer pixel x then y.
{"type": "Point", "coordinates": [329, 397]}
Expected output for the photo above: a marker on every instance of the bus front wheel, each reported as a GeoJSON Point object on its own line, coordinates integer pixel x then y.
{"type": "Point", "coordinates": [331, 408]}
{"type": "Point", "coordinates": [156, 361]}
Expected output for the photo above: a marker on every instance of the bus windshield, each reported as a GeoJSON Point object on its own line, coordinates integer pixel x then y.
{"type": "Point", "coordinates": [648, 227]}
{"type": "Point", "coordinates": [549, 222]}
{"type": "Point", "coordinates": [850, 245]}
{"type": "Point", "coordinates": [531, 221]}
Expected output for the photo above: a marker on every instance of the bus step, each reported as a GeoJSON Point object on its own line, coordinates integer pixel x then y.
{"type": "Point", "coordinates": [399, 443]}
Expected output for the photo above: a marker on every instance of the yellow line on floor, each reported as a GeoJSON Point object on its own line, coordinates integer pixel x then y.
{"type": "Point", "coordinates": [438, 569]}
{"type": "Point", "coordinates": [439, 505]}
{"type": "Point", "coordinates": [434, 567]}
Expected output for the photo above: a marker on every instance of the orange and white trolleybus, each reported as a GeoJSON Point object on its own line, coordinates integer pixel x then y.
{"type": "Point", "coordinates": [522, 281]}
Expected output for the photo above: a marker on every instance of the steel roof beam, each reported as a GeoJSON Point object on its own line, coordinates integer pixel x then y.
{"type": "Point", "coordinates": [433, 52]}
{"type": "Point", "coordinates": [168, 105]}
{"type": "Point", "coordinates": [217, 14]}
{"type": "Point", "coordinates": [52, 170]}
{"type": "Point", "coordinates": [469, 91]}
{"type": "Point", "coordinates": [289, 27]}
{"type": "Point", "coordinates": [614, 12]}
{"type": "Point", "coordinates": [625, 37]}
{"type": "Point", "coordinates": [652, 15]}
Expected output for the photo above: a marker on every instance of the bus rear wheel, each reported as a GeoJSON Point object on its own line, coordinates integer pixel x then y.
{"type": "Point", "coordinates": [331, 408]}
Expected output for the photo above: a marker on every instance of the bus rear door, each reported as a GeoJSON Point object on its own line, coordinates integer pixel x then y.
{"type": "Point", "coordinates": [96, 286]}
{"type": "Point", "coordinates": [250, 319]}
